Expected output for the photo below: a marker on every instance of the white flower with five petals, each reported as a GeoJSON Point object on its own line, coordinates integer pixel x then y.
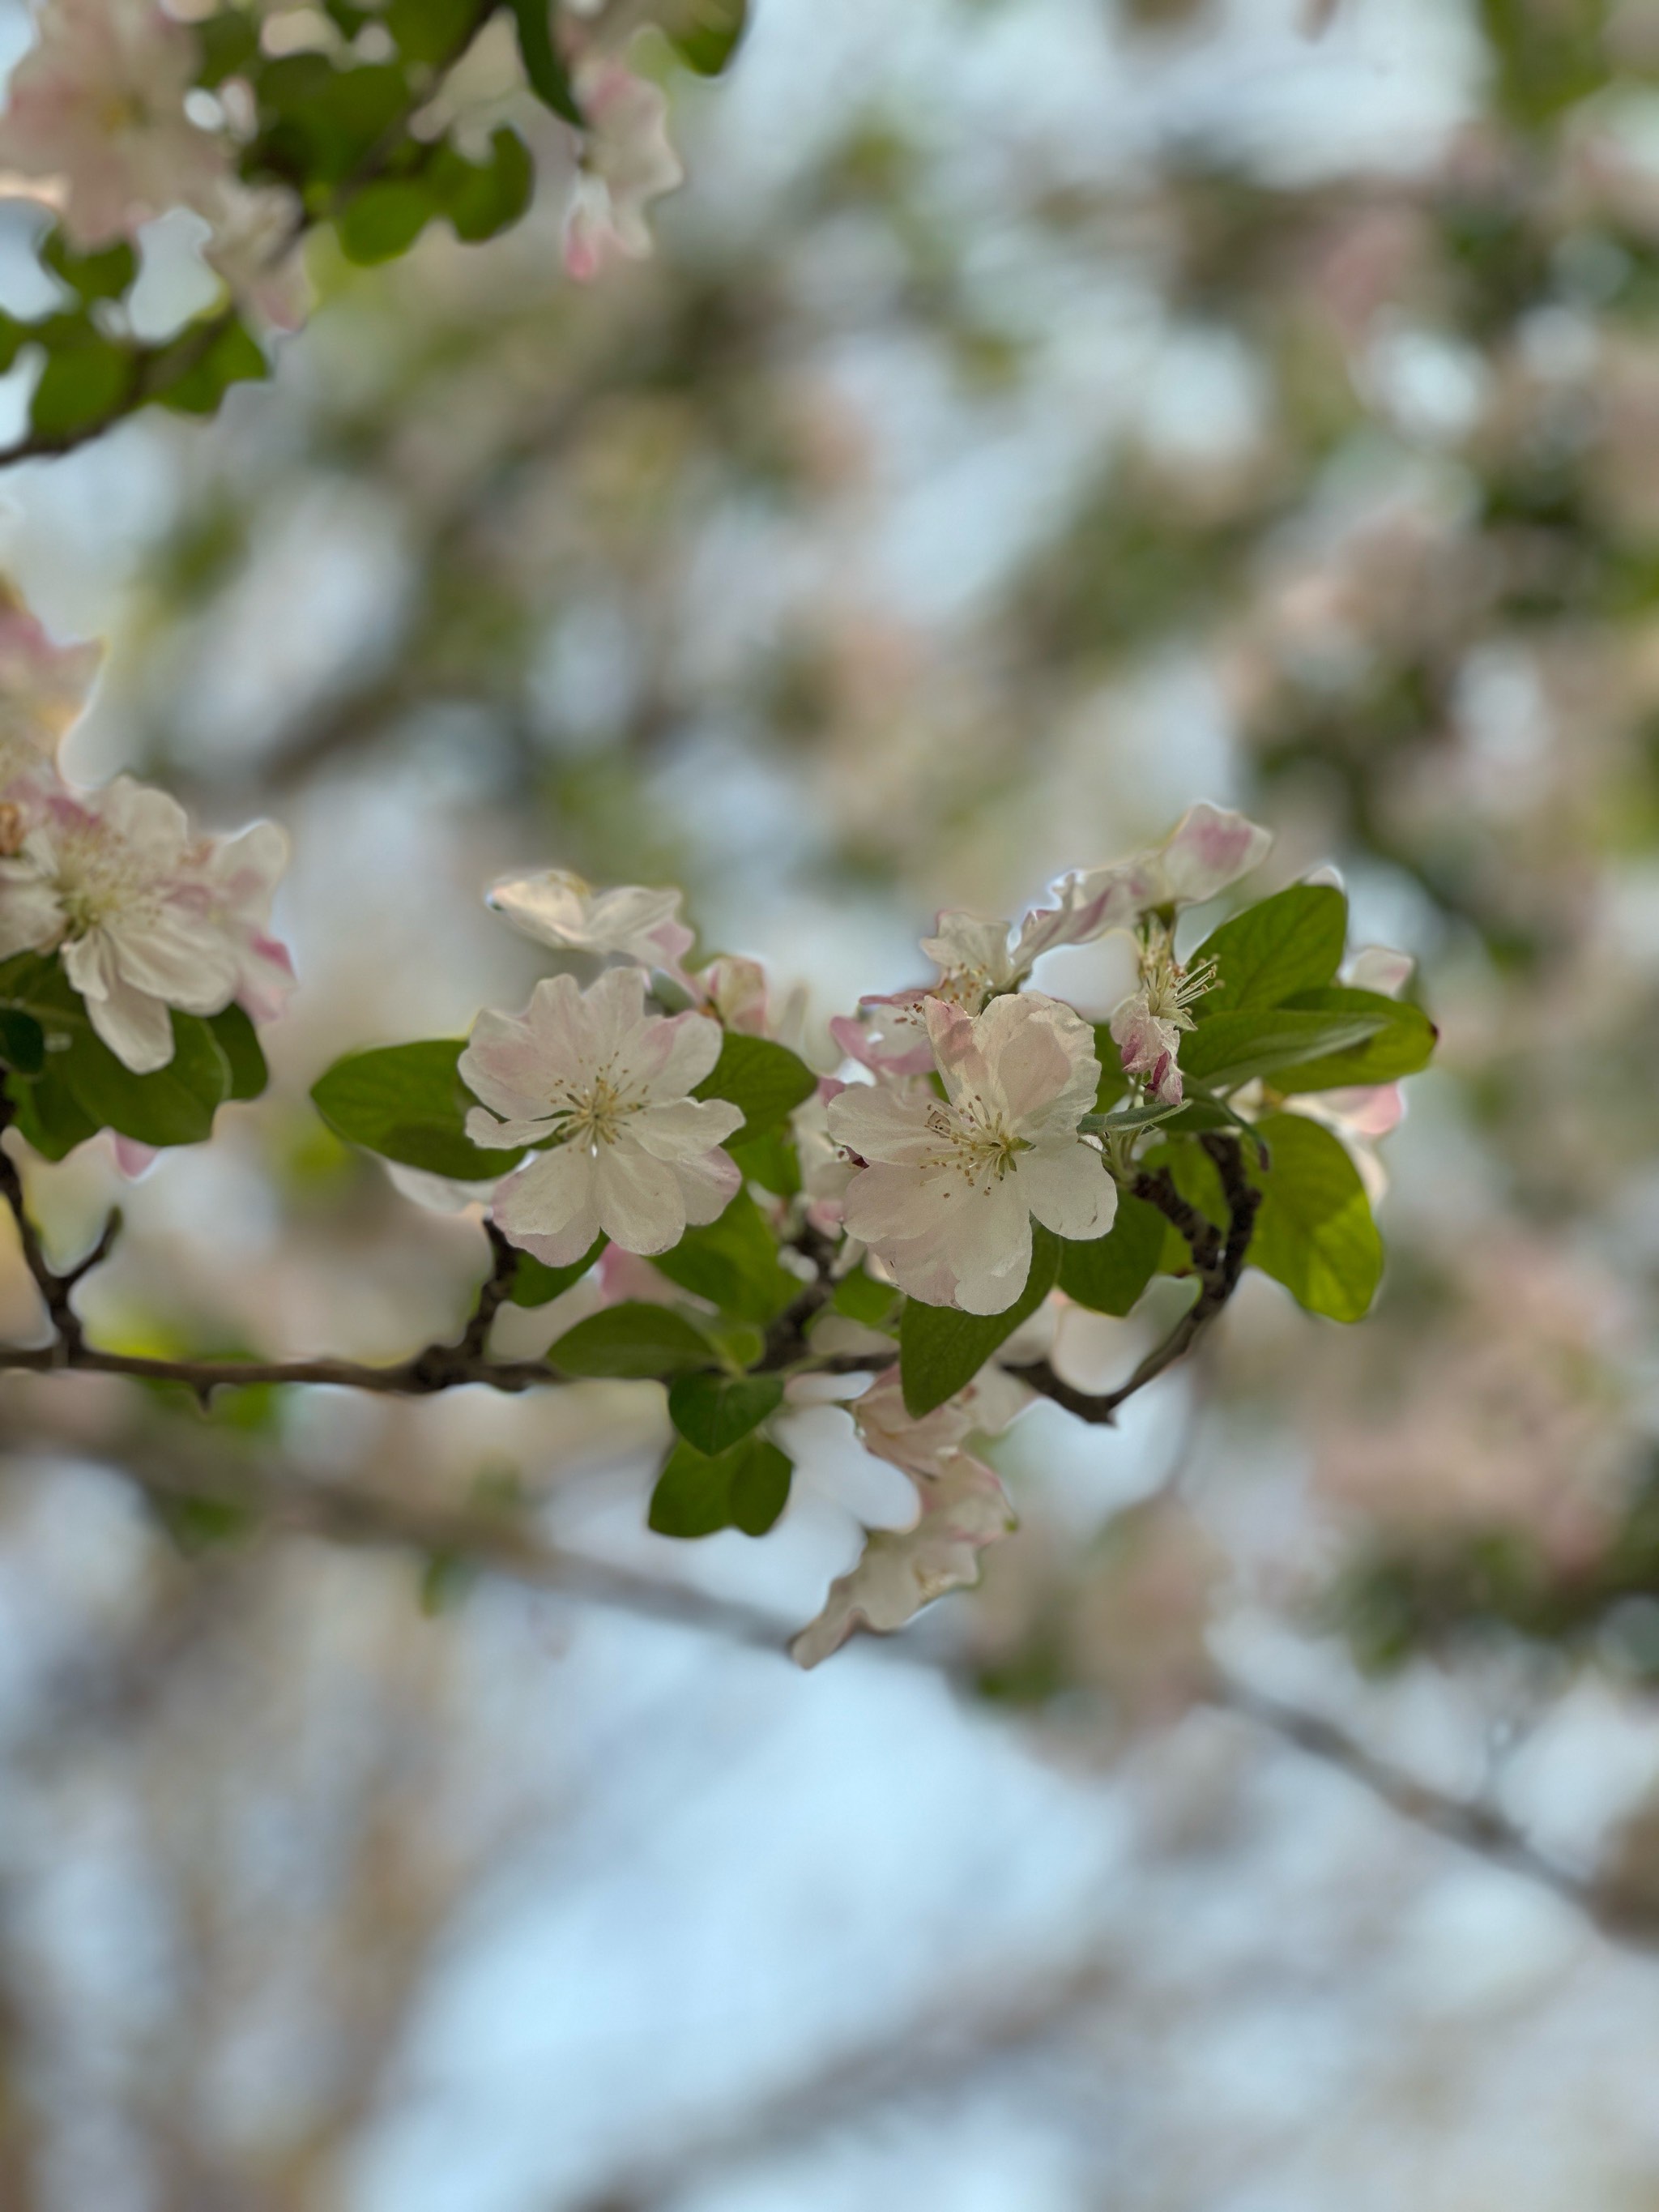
{"type": "Point", "coordinates": [606, 1088]}
{"type": "Point", "coordinates": [949, 1186]}
{"type": "Point", "coordinates": [113, 882]}
{"type": "Point", "coordinates": [96, 111]}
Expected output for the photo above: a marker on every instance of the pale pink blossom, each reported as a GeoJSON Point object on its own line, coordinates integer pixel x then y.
{"type": "Point", "coordinates": [949, 1186]}
{"type": "Point", "coordinates": [961, 1508]}
{"type": "Point", "coordinates": [113, 882]}
{"type": "Point", "coordinates": [44, 687]}
{"type": "Point", "coordinates": [627, 162]}
{"type": "Point", "coordinates": [255, 249]}
{"type": "Point", "coordinates": [1210, 847]}
{"type": "Point", "coordinates": [234, 881]}
{"type": "Point", "coordinates": [733, 990]}
{"type": "Point", "coordinates": [557, 908]}
{"type": "Point", "coordinates": [606, 1088]}
{"type": "Point", "coordinates": [1149, 1046]}
{"type": "Point", "coordinates": [96, 109]}
{"type": "Point", "coordinates": [1148, 1026]}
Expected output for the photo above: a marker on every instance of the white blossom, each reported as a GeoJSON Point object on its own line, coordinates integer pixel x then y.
{"type": "Point", "coordinates": [113, 881]}
{"type": "Point", "coordinates": [233, 881]}
{"type": "Point", "coordinates": [963, 1507]}
{"type": "Point", "coordinates": [1209, 847]}
{"type": "Point", "coordinates": [557, 908]}
{"type": "Point", "coordinates": [949, 1187]}
{"type": "Point", "coordinates": [96, 109]}
{"type": "Point", "coordinates": [1148, 1026]}
{"type": "Point", "coordinates": [627, 162]}
{"type": "Point", "coordinates": [605, 1087]}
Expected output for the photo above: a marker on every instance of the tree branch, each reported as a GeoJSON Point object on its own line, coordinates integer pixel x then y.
{"type": "Point", "coordinates": [1476, 1826]}
{"type": "Point", "coordinates": [1219, 1258]}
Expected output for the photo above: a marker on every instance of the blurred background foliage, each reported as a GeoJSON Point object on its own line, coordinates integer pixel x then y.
{"type": "Point", "coordinates": [1039, 414]}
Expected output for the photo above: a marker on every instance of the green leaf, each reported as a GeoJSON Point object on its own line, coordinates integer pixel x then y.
{"type": "Point", "coordinates": [1125, 1120]}
{"type": "Point", "coordinates": [634, 1340]}
{"type": "Point", "coordinates": [1289, 943]}
{"type": "Point", "coordinates": [769, 1159]}
{"type": "Point", "coordinates": [239, 1041]}
{"type": "Point", "coordinates": [733, 1263]}
{"type": "Point", "coordinates": [712, 1412]}
{"type": "Point", "coordinates": [407, 1103]}
{"type": "Point", "coordinates": [174, 1105]}
{"type": "Point", "coordinates": [536, 1285]}
{"type": "Point", "coordinates": [47, 1115]}
{"type": "Point", "coordinates": [941, 1349]}
{"type": "Point", "coordinates": [105, 275]}
{"type": "Point", "coordinates": [1109, 1273]}
{"type": "Point", "coordinates": [1315, 1233]}
{"type": "Point", "coordinates": [193, 372]}
{"type": "Point", "coordinates": [1232, 1048]}
{"type": "Point", "coordinates": [483, 198]}
{"type": "Point", "coordinates": [385, 219]}
{"type": "Point", "coordinates": [431, 31]}
{"type": "Point", "coordinates": [861, 1298]}
{"type": "Point", "coordinates": [229, 42]}
{"type": "Point", "coordinates": [766, 1079]}
{"type": "Point", "coordinates": [705, 33]}
{"type": "Point", "coordinates": [22, 1042]}
{"type": "Point", "coordinates": [1401, 1046]}
{"type": "Point", "coordinates": [88, 377]}
{"type": "Point", "coordinates": [746, 1487]}
{"type": "Point", "coordinates": [327, 123]}
{"type": "Point", "coordinates": [549, 78]}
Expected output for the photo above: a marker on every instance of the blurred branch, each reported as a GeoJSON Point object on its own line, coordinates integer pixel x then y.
{"type": "Point", "coordinates": [954, 2041]}
{"type": "Point", "coordinates": [1623, 1914]}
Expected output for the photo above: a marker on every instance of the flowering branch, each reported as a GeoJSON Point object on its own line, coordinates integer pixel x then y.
{"type": "Point", "coordinates": [1219, 1262]}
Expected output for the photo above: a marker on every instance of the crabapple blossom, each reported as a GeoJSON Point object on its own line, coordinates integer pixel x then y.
{"type": "Point", "coordinates": [963, 1507]}
{"type": "Point", "coordinates": [734, 991]}
{"type": "Point", "coordinates": [559, 909]}
{"type": "Point", "coordinates": [254, 248]}
{"type": "Point", "coordinates": [233, 880]}
{"type": "Point", "coordinates": [627, 162]}
{"type": "Point", "coordinates": [143, 916]}
{"type": "Point", "coordinates": [947, 1189]}
{"type": "Point", "coordinates": [1210, 847]}
{"type": "Point", "coordinates": [96, 112]}
{"type": "Point", "coordinates": [1147, 1027]}
{"type": "Point", "coordinates": [44, 687]}
{"type": "Point", "coordinates": [606, 1088]}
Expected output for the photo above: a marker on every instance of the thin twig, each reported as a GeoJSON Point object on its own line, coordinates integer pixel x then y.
{"type": "Point", "coordinates": [1473, 1825]}
{"type": "Point", "coordinates": [1219, 1260]}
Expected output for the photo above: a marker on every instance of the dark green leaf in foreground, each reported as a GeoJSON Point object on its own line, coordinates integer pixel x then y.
{"type": "Point", "coordinates": [766, 1080]}
{"type": "Point", "coordinates": [1289, 943]}
{"type": "Point", "coordinates": [713, 1412]}
{"type": "Point", "coordinates": [1315, 1233]}
{"type": "Point", "coordinates": [746, 1488]}
{"type": "Point", "coordinates": [239, 1041]}
{"type": "Point", "coordinates": [407, 1103]}
{"type": "Point", "coordinates": [733, 1263]}
{"type": "Point", "coordinates": [535, 1283]}
{"type": "Point", "coordinates": [634, 1340]}
{"type": "Point", "coordinates": [941, 1349]}
{"type": "Point", "coordinates": [1109, 1273]}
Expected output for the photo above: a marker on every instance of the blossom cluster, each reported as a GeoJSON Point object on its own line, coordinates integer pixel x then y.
{"type": "Point", "coordinates": [924, 1193]}
{"type": "Point", "coordinates": [113, 118]}
{"type": "Point", "coordinates": [145, 912]}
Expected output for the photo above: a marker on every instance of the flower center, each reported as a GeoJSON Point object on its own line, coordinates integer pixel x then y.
{"type": "Point", "coordinates": [591, 1114]}
{"type": "Point", "coordinates": [97, 882]}
{"type": "Point", "coordinates": [975, 1142]}
{"type": "Point", "coordinates": [1167, 989]}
